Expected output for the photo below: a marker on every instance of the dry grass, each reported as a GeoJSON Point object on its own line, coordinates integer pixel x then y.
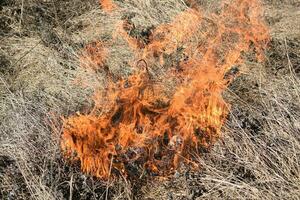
{"type": "Point", "coordinates": [258, 157]}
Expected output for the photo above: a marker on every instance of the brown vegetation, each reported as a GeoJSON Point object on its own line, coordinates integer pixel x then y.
{"type": "Point", "coordinates": [44, 45]}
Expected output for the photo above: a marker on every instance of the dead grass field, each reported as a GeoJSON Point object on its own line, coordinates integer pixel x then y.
{"type": "Point", "coordinates": [258, 156]}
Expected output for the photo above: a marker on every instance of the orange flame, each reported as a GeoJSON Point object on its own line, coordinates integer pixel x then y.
{"type": "Point", "coordinates": [94, 56]}
{"type": "Point", "coordinates": [107, 5]}
{"type": "Point", "coordinates": [141, 120]}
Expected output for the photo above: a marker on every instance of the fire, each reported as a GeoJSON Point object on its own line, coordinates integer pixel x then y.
{"type": "Point", "coordinates": [107, 5]}
{"type": "Point", "coordinates": [94, 56]}
{"type": "Point", "coordinates": [139, 120]}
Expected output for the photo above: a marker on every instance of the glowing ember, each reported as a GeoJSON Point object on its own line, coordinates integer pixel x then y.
{"type": "Point", "coordinates": [142, 121]}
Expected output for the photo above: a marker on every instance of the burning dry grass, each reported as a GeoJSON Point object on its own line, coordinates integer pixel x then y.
{"type": "Point", "coordinates": [257, 157]}
{"type": "Point", "coordinates": [260, 147]}
{"type": "Point", "coordinates": [138, 123]}
{"type": "Point", "coordinates": [107, 5]}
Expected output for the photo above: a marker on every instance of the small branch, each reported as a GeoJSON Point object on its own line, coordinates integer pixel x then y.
{"type": "Point", "coordinates": [21, 17]}
{"type": "Point", "coordinates": [107, 185]}
{"type": "Point", "coordinates": [71, 187]}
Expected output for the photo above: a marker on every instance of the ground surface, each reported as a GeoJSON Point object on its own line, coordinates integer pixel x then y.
{"type": "Point", "coordinates": [257, 158]}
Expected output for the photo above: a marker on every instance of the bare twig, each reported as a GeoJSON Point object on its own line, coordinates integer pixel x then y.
{"type": "Point", "coordinates": [71, 187]}
{"type": "Point", "coordinates": [21, 17]}
{"type": "Point", "coordinates": [30, 50]}
{"type": "Point", "coordinates": [107, 185]}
